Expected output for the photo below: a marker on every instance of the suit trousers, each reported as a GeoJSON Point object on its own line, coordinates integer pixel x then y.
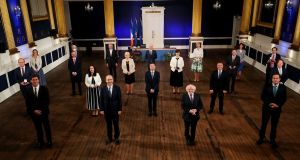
{"type": "Point", "coordinates": [112, 120]}
{"type": "Point", "coordinates": [190, 129]}
{"type": "Point", "coordinates": [214, 95]}
{"type": "Point", "coordinates": [74, 81]}
{"type": "Point", "coordinates": [268, 113]}
{"type": "Point", "coordinates": [232, 79]}
{"type": "Point", "coordinates": [113, 71]}
{"type": "Point", "coordinates": [152, 98]}
{"type": "Point", "coordinates": [40, 122]}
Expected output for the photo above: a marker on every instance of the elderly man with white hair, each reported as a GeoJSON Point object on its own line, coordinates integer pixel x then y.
{"type": "Point", "coordinates": [191, 104]}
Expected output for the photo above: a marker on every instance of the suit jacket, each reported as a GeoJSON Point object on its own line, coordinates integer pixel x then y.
{"type": "Point", "coordinates": [111, 104]}
{"type": "Point", "coordinates": [187, 104]}
{"type": "Point", "coordinates": [37, 103]}
{"type": "Point", "coordinates": [152, 83]}
{"type": "Point", "coordinates": [75, 67]}
{"type": "Point", "coordinates": [131, 66]}
{"type": "Point", "coordinates": [27, 74]}
{"type": "Point", "coordinates": [150, 58]}
{"type": "Point", "coordinates": [268, 97]}
{"type": "Point", "coordinates": [233, 63]}
{"type": "Point", "coordinates": [219, 84]}
{"type": "Point", "coordinates": [278, 56]}
{"type": "Point", "coordinates": [113, 58]}
{"type": "Point", "coordinates": [283, 76]}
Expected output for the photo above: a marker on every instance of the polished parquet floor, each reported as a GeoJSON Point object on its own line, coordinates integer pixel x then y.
{"type": "Point", "coordinates": [77, 135]}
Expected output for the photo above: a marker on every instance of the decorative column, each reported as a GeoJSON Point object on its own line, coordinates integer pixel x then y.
{"type": "Point", "coordinates": [110, 37]}
{"type": "Point", "coordinates": [27, 24]}
{"type": "Point", "coordinates": [244, 29]}
{"type": "Point", "coordinates": [52, 23]}
{"type": "Point", "coordinates": [60, 17]}
{"type": "Point", "coordinates": [254, 13]}
{"type": "Point", "coordinates": [7, 27]}
{"type": "Point", "coordinates": [279, 18]}
{"type": "Point", "coordinates": [196, 25]}
{"type": "Point", "coordinates": [296, 40]}
{"type": "Point", "coordinates": [109, 18]}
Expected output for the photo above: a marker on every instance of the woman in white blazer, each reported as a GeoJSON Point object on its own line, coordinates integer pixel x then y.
{"type": "Point", "coordinates": [128, 68]}
{"type": "Point", "coordinates": [36, 66]}
{"type": "Point", "coordinates": [176, 77]}
{"type": "Point", "coordinates": [197, 57]}
{"type": "Point", "coordinates": [93, 82]}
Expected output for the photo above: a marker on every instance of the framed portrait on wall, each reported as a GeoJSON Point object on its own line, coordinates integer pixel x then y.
{"type": "Point", "coordinates": [267, 11]}
{"type": "Point", "coordinates": [39, 10]}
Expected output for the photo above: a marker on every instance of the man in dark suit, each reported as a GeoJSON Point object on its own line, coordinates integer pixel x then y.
{"type": "Point", "coordinates": [232, 63]}
{"type": "Point", "coordinates": [273, 96]}
{"type": "Point", "coordinates": [279, 69]}
{"type": "Point", "coordinates": [111, 108]}
{"type": "Point", "coordinates": [37, 102]}
{"type": "Point", "coordinates": [74, 65]}
{"type": "Point", "coordinates": [151, 55]}
{"type": "Point", "coordinates": [191, 104]}
{"type": "Point", "coordinates": [112, 60]}
{"type": "Point", "coordinates": [271, 63]}
{"type": "Point", "coordinates": [152, 78]}
{"type": "Point", "coordinates": [23, 75]}
{"type": "Point", "coordinates": [218, 86]}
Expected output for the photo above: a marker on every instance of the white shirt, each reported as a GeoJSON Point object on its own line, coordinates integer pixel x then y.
{"type": "Point", "coordinates": [280, 71]}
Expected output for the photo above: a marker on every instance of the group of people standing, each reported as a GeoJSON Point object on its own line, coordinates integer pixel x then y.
{"type": "Point", "coordinates": [33, 88]}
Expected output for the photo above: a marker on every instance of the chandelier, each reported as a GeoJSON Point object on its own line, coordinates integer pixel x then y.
{"type": "Point", "coordinates": [269, 5]}
{"type": "Point", "coordinates": [217, 5]}
{"type": "Point", "coordinates": [88, 8]}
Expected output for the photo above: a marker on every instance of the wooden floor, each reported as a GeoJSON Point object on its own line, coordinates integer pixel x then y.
{"type": "Point", "coordinates": [77, 135]}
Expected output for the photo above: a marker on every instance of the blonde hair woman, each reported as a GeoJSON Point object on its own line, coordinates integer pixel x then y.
{"type": "Point", "coordinates": [35, 64]}
{"type": "Point", "coordinates": [128, 68]}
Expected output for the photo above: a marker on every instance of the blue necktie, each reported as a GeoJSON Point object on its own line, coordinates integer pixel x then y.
{"type": "Point", "coordinates": [274, 90]}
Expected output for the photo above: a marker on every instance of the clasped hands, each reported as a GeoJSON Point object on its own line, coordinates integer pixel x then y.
{"type": "Point", "coordinates": [273, 105]}
{"type": "Point", "coordinates": [193, 111]}
{"type": "Point", "coordinates": [37, 112]}
{"type": "Point", "coordinates": [74, 73]}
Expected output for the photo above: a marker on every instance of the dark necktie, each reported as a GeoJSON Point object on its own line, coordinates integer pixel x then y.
{"type": "Point", "coordinates": [152, 74]}
{"type": "Point", "coordinates": [219, 74]}
{"type": "Point", "coordinates": [22, 71]}
{"type": "Point", "coordinates": [274, 90]}
{"type": "Point", "coordinates": [110, 91]}
{"type": "Point", "coordinates": [35, 92]}
{"type": "Point", "coordinates": [191, 97]}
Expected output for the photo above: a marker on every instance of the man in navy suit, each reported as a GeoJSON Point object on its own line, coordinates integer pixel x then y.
{"type": "Point", "coordinates": [152, 78]}
{"type": "Point", "coordinates": [232, 63]}
{"type": "Point", "coordinates": [279, 69]}
{"type": "Point", "coordinates": [112, 60]}
{"type": "Point", "coordinates": [151, 55]}
{"type": "Point", "coordinates": [23, 75]}
{"type": "Point", "coordinates": [37, 102]}
{"type": "Point", "coordinates": [74, 66]}
{"type": "Point", "coordinates": [217, 87]}
{"type": "Point", "coordinates": [191, 104]}
{"type": "Point", "coordinates": [273, 96]}
{"type": "Point", "coordinates": [111, 108]}
{"type": "Point", "coordinates": [271, 63]}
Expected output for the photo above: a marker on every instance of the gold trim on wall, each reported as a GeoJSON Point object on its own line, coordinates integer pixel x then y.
{"type": "Point", "coordinates": [266, 24]}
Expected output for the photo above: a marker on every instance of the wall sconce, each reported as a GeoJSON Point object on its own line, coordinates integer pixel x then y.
{"type": "Point", "coordinates": [89, 8]}
{"type": "Point", "coordinates": [217, 5]}
{"type": "Point", "coordinates": [17, 11]}
{"type": "Point", "coordinates": [269, 5]}
{"type": "Point", "coordinates": [289, 4]}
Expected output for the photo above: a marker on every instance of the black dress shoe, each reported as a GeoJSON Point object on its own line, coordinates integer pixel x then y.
{"type": "Point", "coordinates": [108, 141]}
{"type": "Point", "coordinates": [49, 145]}
{"type": "Point", "coordinates": [274, 144]}
{"type": "Point", "coordinates": [117, 141]}
{"type": "Point", "coordinates": [188, 142]}
{"type": "Point", "coordinates": [39, 145]}
{"type": "Point", "coordinates": [155, 114]}
{"type": "Point", "coordinates": [221, 112]}
{"type": "Point", "coordinates": [259, 141]}
{"type": "Point", "coordinates": [192, 143]}
{"type": "Point", "coordinates": [210, 111]}
{"type": "Point", "coordinates": [149, 114]}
